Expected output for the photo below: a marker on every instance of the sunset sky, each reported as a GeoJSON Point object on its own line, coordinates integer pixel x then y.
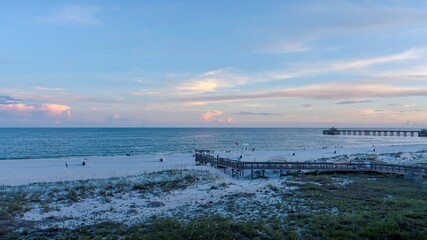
{"type": "Point", "coordinates": [213, 63]}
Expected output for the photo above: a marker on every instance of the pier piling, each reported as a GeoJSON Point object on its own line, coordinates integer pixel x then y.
{"type": "Point", "coordinates": [375, 132]}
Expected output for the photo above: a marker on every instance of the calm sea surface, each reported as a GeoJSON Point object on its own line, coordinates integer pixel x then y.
{"type": "Point", "coordinates": [24, 143]}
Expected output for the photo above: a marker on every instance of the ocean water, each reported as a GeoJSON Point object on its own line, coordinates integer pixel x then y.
{"type": "Point", "coordinates": [34, 143]}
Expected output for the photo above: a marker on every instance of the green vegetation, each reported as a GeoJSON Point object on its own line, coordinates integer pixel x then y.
{"type": "Point", "coordinates": [322, 206]}
{"type": "Point", "coordinates": [371, 206]}
{"type": "Point", "coordinates": [11, 204]}
{"type": "Point", "coordinates": [213, 227]}
{"type": "Point", "coordinates": [165, 185]}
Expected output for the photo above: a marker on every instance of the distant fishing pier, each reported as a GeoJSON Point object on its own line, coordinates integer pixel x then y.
{"type": "Point", "coordinates": [238, 168]}
{"type": "Point", "coordinates": [376, 132]}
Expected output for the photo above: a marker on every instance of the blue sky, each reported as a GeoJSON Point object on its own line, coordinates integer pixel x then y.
{"type": "Point", "coordinates": [213, 63]}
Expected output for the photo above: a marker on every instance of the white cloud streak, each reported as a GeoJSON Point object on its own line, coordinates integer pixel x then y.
{"type": "Point", "coordinates": [73, 15]}
{"type": "Point", "coordinates": [286, 47]}
{"type": "Point", "coordinates": [40, 88]}
{"type": "Point", "coordinates": [330, 91]}
{"type": "Point", "coordinates": [406, 55]}
{"type": "Point", "coordinates": [145, 92]}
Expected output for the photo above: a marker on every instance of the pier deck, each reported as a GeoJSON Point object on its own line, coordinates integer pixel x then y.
{"type": "Point", "coordinates": [376, 132]}
{"type": "Point", "coordinates": [238, 167]}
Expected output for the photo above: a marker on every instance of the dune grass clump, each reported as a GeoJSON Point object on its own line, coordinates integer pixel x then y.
{"type": "Point", "coordinates": [388, 208]}
{"type": "Point", "coordinates": [166, 186]}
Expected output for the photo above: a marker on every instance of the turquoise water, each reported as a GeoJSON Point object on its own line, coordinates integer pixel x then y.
{"type": "Point", "coordinates": [24, 143]}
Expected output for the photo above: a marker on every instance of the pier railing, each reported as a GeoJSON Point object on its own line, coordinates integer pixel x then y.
{"type": "Point", "coordinates": [238, 167]}
{"type": "Point", "coordinates": [376, 132]}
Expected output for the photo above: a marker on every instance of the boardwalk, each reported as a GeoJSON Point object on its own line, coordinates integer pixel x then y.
{"type": "Point", "coordinates": [376, 132]}
{"type": "Point", "coordinates": [203, 157]}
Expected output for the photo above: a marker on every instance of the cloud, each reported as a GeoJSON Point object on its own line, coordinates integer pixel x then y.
{"type": "Point", "coordinates": [221, 82]}
{"type": "Point", "coordinates": [257, 105]}
{"type": "Point", "coordinates": [257, 113]}
{"type": "Point", "coordinates": [100, 108]}
{"type": "Point", "coordinates": [299, 70]}
{"type": "Point", "coordinates": [286, 47]}
{"type": "Point", "coordinates": [54, 109]}
{"type": "Point", "coordinates": [353, 102]}
{"type": "Point", "coordinates": [17, 108]}
{"type": "Point", "coordinates": [348, 65]}
{"type": "Point", "coordinates": [208, 116]}
{"type": "Point", "coordinates": [398, 105]}
{"type": "Point", "coordinates": [44, 109]}
{"type": "Point", "coordinates": [73, 15]}
{"type": "Point", "coordinates": [413, 110]}
{"type": "Point", "coordinates": [62, 97]}
{"type": "Point", "coordinates": [201, 85]}
{"type": "Point", "coordinates": [47, 89]}
{"type": "Point", "coordinates": [329, 91]}
{"type": "Point", "coordinates": [115, 117]}
{"type": "Point", "coordinates": [8, 100]}
{"type": "Point", "coordinates": [144, 81]}
{"type": "Point", "coordinates": [229, 120]}
{"type": "Point", "coordinates": [418, 73]}
{"type": "Point", "coordinates": [145, 92]}
{"type": "Point", "coordinates": [369, 111]}
{"type": "Point", "coordinates": [358, 17]}
{"type": "Point", "coordinates": [406, 55]}
{"type": "Point", "coordinates": [211, 82]}
{"type": "Point", "coordinates": [216, 72]}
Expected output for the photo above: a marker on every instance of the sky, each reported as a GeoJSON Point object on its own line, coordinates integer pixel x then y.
{"type": "Point", "coordinates": [213, 63]}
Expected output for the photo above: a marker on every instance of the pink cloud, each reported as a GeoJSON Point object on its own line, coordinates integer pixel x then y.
{"type": "Point", "coordinates": [230, 120]}
{"type": "Point", "coordinates": [208, 116]}
{"type": "Point", "coordinates": [49, 109]}
{"type": "Point", "coordinates": [55, 109]}
{"type": "Point", "coordinates": [211, 115]}
{"type": "Point", "coordinates": [16, 108]}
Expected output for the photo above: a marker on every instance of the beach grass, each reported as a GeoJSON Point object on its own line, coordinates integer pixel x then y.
{"type": "Point", "coordinates": [304, 206]}
{"type": "Point", "coordinates": [370, 206]}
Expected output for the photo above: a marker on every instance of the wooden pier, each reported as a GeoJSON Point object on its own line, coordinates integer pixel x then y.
{"type": "Point", "coordinates": [238, 168]}
{"type": "Point", "coordinates": [376, 132]}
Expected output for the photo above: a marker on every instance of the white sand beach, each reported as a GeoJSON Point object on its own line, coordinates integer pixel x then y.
{"type": "Point", "coordinates": [18, 172]}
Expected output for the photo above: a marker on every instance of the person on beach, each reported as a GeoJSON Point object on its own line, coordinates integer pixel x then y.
{"type": "Point", "coordinates": [66, 164]}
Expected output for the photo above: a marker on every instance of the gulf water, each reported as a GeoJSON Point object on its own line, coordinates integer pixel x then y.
{"type": "Point", "coordinates": [34, 143]}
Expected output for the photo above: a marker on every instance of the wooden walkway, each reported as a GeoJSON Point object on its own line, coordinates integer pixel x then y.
{"type": "Point", "coordinates": [203, 157]}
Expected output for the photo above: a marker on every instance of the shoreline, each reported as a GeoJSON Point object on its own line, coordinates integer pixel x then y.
{"type": "Point", "coordinates": [27, 171]}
